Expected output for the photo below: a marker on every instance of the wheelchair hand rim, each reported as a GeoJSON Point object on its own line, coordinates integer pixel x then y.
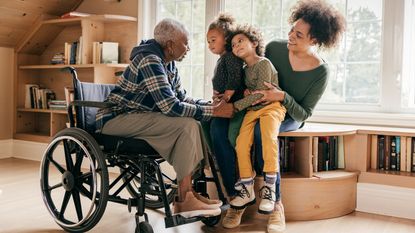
{"type": "Point", "coordinates": [94, 179]}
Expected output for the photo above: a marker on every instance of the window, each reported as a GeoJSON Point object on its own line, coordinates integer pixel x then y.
{"type": "Point", "coordinates": [372, 69]}
{"type": "Point", "coordinates": [354, 65]}
{"type": "Point", "coordinates": [192, 14]}
{"type": "Point", "coordinates": [408, 73]}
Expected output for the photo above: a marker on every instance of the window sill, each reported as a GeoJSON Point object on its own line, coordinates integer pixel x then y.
{"type": "Point", "coordinates": [364, 118]}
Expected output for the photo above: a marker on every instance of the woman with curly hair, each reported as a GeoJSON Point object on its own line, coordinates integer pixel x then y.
{"type": "Point", "coordinates": [302, 77]}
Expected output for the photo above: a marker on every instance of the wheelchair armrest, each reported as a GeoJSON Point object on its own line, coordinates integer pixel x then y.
{"type": "Point", "coordinates": [92, 104]}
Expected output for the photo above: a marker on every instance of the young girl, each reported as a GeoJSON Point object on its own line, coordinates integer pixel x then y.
{"type": "Point", "coordinates": [247, 43]}
{"type": "Point", "coordinates": [228, 86]}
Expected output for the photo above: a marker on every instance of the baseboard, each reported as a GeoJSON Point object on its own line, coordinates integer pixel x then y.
{"type": "Point", "coordinates": [28, 150]}
{"type": "Point", "coordinates": [6, 148]}
{"type": "Point", "coordinates": [386, 200]}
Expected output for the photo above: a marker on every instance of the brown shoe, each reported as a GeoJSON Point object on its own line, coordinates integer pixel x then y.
{"type": "Point", "coordinates": [276, 221]}
{"type": "Point", "coordinates": [192, 207]}
{"type": "Point", "coordinates": [206, 200]}
{"type": "Point", "coordinates": [232, 218]}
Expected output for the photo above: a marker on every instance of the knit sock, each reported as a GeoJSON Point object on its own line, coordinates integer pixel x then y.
{"type": "Point", "coordinates": [270, 179]}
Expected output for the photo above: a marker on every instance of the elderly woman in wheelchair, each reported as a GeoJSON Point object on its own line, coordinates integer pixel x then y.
{"type": "Point", "coordinates": [146, 119]}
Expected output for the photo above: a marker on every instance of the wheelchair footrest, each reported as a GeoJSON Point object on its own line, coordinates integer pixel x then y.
{"type": "Point", "coordinates": [177, 220]}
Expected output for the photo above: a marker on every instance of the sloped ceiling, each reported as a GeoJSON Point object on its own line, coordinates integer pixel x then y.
{"type": "Point", "coordinates": [17, 16]}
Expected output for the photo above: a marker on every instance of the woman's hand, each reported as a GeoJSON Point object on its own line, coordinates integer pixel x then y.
{"type": "Point", "coordinates": [270, 95]}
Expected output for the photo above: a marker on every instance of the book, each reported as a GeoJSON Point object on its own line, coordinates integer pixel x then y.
{"type": "Point", "coordinates": [109, 53]}
{"type": "Point", "coordinates": [74, 14]}
{"type": "Point", "coordinates": [403, 154]}
{"type": "Point", "coordinates": [315, 154]}
{"type": "Point", "coordinates": [381, 152]}
{"type": "Point", "coordinates": [374, 152]}
{"type": "Point", "coordinates": [413, 155]}
{"type": "Point", "coordinates": [340, 152]}
{"type": "Point", "coordinates": [69, 95]}
{"type": "Point", "coordinates": [393, 154]}
{"type": "Point", "coordinates": [408, 154]}
{"type": "Point", "coordinates": [29, 98]}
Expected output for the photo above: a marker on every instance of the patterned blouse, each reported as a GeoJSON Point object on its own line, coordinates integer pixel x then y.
{"type": "Point", "coordinates": [229, 75]}
{"type": "Point", "coordinates": [255, 76]}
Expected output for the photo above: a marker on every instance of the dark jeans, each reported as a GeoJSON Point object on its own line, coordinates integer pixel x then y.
{"type": "Point", "coordinates": [226, 156]}
{"type": "Point", "coordinates": [224, 153]}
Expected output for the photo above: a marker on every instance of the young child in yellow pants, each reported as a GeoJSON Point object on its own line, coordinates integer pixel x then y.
{"type": "Point", "coordinates": [247, 43]}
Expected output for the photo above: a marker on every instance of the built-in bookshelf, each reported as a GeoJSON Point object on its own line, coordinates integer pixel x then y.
{"type": "Point", "coordinates": [389, 158]}
{"type": "Point", "coordinates": [36, 52]}
{"type": "Point", "coordinates": [316, 181]}
{"type": "Point", "coordinates": [326, 161]}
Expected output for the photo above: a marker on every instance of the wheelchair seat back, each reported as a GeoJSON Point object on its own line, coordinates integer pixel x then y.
{"type": "Point", "coordinates": [85, 116]}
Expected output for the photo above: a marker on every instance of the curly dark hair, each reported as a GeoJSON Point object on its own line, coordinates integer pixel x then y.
{"type": "Point", "coordinates": [326, 23]}
{"type": "Point", "coordinates": [253, 34]}
{"type": "Point", "coordinates": [224, 22]}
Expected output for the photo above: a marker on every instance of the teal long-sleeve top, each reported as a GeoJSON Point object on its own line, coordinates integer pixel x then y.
{"type": "Point", "coordinates": [303, 89]}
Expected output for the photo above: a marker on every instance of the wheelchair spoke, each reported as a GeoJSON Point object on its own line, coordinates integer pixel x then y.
{"type": "Point", "coordinates": [64, 204]}
{"type": "Point", "coordinates": [55, 186]}
{"type": "Point", "coordinates": [85, 192]}
{"type": "Point", "coordinates": [77, 202]}
{"type": "Point", "coordinates": [57, 165]}
{"type": "Point", "coordinates": [68, 156]}
{"type": "Point", "coordinates": [79, 158]}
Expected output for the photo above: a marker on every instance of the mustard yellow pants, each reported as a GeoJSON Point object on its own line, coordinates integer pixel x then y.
{"type": "Point", "coordinates": [270, 118]}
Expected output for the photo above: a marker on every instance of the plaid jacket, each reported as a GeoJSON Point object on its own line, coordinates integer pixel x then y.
{"type": "Point", "coordinates": [149, 84]}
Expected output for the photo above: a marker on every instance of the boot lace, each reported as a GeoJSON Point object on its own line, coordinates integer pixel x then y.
{"type": "Point", "coordinates": [242, 191]}
{"type": "Point", "coordinates": [266, 193]}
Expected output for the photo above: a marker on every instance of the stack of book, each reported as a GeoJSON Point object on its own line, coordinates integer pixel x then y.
{"type": "Point", "coordinates": [73, 52]}
{"type": "Point", "coordinates": [393, 153]}
{"type": "Point", "coordinates": [58, 58]}
{"type": "Point", "coordinates": [57, 105]}
{"type": "Point", "coordinates": [37, 97]}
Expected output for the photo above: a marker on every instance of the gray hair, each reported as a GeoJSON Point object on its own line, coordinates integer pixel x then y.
{"type": "Point", "coordinates": [169, 29]}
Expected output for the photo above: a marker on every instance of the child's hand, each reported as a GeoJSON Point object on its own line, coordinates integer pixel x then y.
{"type": "Point", "coordinates": [247, 92]}
{"type": "Point", "coordinates": [217, 97]}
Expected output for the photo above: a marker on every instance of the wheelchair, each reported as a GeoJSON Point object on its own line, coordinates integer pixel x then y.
{"type": "Point", "coordinates": [75, 182]}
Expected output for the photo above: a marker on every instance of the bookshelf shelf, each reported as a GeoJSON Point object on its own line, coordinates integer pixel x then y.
{"type": "Point", "coordinates": [48, 37]}
{"type": "Point", "coordinates": [76, 66]}
{"type": "Point", "coordinates": [33, 137]}
{"type": "Point", "coordinates": [42, 110]}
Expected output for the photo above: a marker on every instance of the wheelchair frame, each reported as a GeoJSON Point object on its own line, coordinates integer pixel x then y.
{"type": "Point", "coordinates": [138, 162]}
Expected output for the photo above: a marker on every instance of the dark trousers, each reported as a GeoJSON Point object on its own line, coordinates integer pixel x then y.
{"type": "Point", "coordinates": [226, 156]}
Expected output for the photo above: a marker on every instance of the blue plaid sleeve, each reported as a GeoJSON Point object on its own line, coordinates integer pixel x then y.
{"type": "Point", "coordinates": [168, 99]}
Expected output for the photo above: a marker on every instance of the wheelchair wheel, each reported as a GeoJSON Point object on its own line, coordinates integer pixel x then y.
{"type": "Point", "coordinates": [144, 227]}
{"type": "Point", "coordinates": [154, 201]}
{"type": "Point", "coordinates": [76, 193]}
{"type": "Point", "coordinates": [211, 221]}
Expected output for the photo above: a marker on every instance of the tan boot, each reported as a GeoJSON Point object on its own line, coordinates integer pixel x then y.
{"type": "Point", "coordinates": [276, 222]}
{"type": "Point", "coordinates": [232, 218]}
{"type": "Point", "coordinates": [191, 207]}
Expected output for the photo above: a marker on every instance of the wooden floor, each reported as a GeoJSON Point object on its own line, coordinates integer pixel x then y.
{"type": "Point", "coordinates": [22, 210]}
